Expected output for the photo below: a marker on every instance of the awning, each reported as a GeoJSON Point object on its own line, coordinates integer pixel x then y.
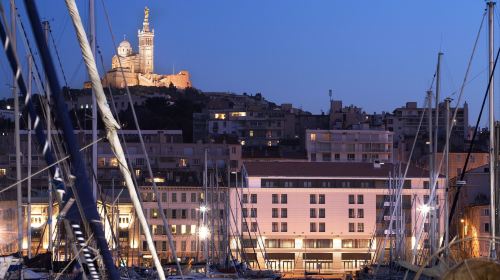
{"type": "Point", "coordinates": [318, 256]}
{"type": "Point", "coordinates": [356, 256]}
{"type": "Point", "coordinates": [280, 256]}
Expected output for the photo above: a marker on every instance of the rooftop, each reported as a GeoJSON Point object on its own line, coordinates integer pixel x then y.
{"type": "Point", "coordinates": [328, 169]}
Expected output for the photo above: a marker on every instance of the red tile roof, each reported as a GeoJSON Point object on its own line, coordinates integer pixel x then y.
{"type": "Point", "coordinates": [328, 169]}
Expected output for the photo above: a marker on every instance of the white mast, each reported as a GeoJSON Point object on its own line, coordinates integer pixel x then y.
{"type": "Point", "coordinates": [30, 65]}
{"type": "Point", "coordinates": [447, 172]}
{"type": "Point", "coordinates": [492, 153]}
{"type": "Point", "coordinates": [17, 136]}
{"type": "Point", "coordinates": [49, 137]}
{"type": "Point", "coordinates": [94, 105]}
{"type": "Point", "coordinates": [431, 170]}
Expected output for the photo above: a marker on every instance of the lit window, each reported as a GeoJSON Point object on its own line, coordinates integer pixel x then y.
{"type": "Point", "coordinates": [313, 137]}
{"type": "Point", "coordinates": [137, 172]}
{"type": "Point", "coordinates": [113, 162]}
{"type": "Point", "coordinates": [182, 162]}
{"type": "Point", "coordinates": [220, 116]}
{"type": "Point", "coordinates": [3, 172]}
{"type": "Point", "coordinates": [238, 114]}
{"type": "Point", "coordinates": [250, 133]}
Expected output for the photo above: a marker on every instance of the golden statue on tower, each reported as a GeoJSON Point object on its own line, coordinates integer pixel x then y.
{"type": "Point", "coordinates": [146, 14]}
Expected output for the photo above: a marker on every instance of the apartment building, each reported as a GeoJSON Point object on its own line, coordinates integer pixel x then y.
{"type": "Point", "coordinates": [323, 216]}
{"type": "Point", "coordinates": [349, 145]}
{"type": "Point", "coordinates": [172, 162]}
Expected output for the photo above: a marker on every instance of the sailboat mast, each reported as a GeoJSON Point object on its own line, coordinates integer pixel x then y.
{"type": "Point", "coordinates": [49, 137]}
{"type": "Point", "coordinates": [17, 136]}
{"type": "Point", "coordinates": [94, 102]}
{"type": "Point", "coordinates": [30, 78]}
{"type": "Point", "coordinates": [204, 213]}
{"type": "Point", "coordinates": [447, 178]}
{"type": "Point", "coordinates": [431, 167]}
{"type": "Point", "coordinates": [492, 153]}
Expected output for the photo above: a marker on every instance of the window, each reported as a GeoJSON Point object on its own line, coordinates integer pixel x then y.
{"type": "Point", "coordinates": [486, 212]}
{"type": "Point", "coordinates": [275, 198]}
{"type": "Point", "coordinates": [275, 213]}
{"type": "Point", "coordinates": [361, 227]}
{"type": "Point", "coordinates": [253, 198]}
{"type": "Point", "coordinates": [284, 213]}
{"type": "Point", "coordinates": [183, 213]}
{"type": "Point", "coordinates": [351, 157]}
{"type": "Point", "coordinates": [313, 137]}
{"type": "Point", "coordinates": [183, 246]}
{"type": "Point", "coordinates": [337, 156]}
{"type": "Point", "coordinates": [164, 245]}
{"type": "Point", "coordinates": [245, 198]}
{"type": "Point", "coordinates": [250, 133]}
{"type": "Point", "coordinates": [253, 212]}
{"type": "Point", "coordinates": [321, 227]}
{"type": "Point", "coordinates": [312, 199]}
{"type": "Point", "coordinates": [312, 213]}
{"type": "Point", "coordinates": [321, 199]}
{"type": "Point", "coordinates": [361, 213]}
{"type": "Point", "coordinates": [164, 197]}
{"type": "Point", "coordinates": [193, 214]}
{"type": "Point", "coordinates": [253, 227]}
{"type": "Point", "coordinates": [486, 227]}
{"type": "Point", "coordinates": [351, 227]}
{"type": "Point", "coordinates": [347, 243]}
{"type": "Point", "coordinates": [327, 157]}
{"type": "Point", "coordinates": [183, 197]}
{"type": "Point", "coordinates": [244, 212]}
{"type": "Point", "coordinates": [307, 184]}
{"type": "Point", "coordinates": [174, 197]}
{"type": "Point", "coordinates": [351, 199]}
{"type": "Point", "coordinates": [321, 213]}
{"type": "Point", "coordinates": [193, 197]}
{"type": "Point", "coordinates": [275, 227]}
{"type": "Point", "coordinates": [284, 227]}
{"type": "Point", "coordinates": [351, 213]}
{"type": "Point", "coordinates": [312, 227]}
{"type": "Point", "coordinates": [244, 226]}
{"type": "Point", "coordinates": [360, 199]}
{"type": "Point", "coordinates": [284, 199]}
{"type": "Point", "coordinates": [313, 157]}
{"type": "Point", "coordinates": [174, 213]}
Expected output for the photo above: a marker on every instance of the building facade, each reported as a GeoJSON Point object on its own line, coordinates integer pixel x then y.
{"type": "Point", "coordinates": [349, 145]}
{"type": "Point", "coordinates": [322, 217]}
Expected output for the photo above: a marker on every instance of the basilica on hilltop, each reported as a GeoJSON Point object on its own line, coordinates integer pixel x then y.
{"type": "Point", "coordinates": [133, 69]}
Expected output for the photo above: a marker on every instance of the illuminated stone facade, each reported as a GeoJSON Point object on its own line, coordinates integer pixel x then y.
{"type": "Point", "coordinates": [133, 69]}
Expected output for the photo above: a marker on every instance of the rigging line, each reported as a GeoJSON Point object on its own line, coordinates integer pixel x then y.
{"type": "Point", "coordinates": [155, 188]}
{"type": "Point", "coordinates": [58, 57]}
{"type": "Point", "coordinates": [470, 80]}
{"type": "Point", "coordinates": [48, 166]}
{"type": "Point", "coordinates": [64, 28]}
{"type": "Point", "coordinates": [29, 49]}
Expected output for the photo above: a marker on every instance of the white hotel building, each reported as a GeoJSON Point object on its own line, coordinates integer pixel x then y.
{"type": "Point", "coordinates": [321, 216]}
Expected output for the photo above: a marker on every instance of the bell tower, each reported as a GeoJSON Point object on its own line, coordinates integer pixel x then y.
{"type": "Point", "coordinates": [146, 45]}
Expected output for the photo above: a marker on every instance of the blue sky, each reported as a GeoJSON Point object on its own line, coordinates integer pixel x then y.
{"type": "Point", "coordinates": [374, 54]}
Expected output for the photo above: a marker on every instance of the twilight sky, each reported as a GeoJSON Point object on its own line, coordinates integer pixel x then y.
{"type": "Point", "coordinates": [374, 54]}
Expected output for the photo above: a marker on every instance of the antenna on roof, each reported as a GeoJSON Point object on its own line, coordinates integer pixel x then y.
{"type": "Point", "coordinates": [330, 93]}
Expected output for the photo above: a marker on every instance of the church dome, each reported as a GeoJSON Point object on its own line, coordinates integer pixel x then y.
{"type": "Point", "coordinates": [124, 49]}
